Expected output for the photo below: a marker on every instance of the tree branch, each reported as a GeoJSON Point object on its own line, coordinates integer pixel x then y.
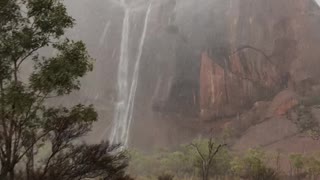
{"type": "Point", "coordinates": [215, 153]}
{"type": "Point", "coordinates": [27, 55]}
{"type": "Point", "coordinates": [54, 152]}
{"type": "Point", "coordinates": [2, 111]}
{"type": "Point", "coordinates": [198, 150]}
{"type": "Point", "coordinates": [29, 147]}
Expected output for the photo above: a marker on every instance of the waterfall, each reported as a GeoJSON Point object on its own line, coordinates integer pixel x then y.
{"type": "Point", "coordinates": [125, 102]}
{"type": "Point", "coordinates": [136, 75]}
{"type": "Point", "coordinates": [104, 34]}
{"type": "Point", "coordinates": [120, 116]}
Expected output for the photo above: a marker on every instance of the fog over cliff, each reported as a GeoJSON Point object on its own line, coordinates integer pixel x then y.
{"type": "Point", "coordinates": [168, 71]}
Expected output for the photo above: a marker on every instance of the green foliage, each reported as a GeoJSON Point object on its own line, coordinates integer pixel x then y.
{"type": "Point", "coordinates": [312, 166]}
{"type": "Point", "coordinates": [297, 161]}
{"type": "Point", "coordinates": [159, 163]}
{"type": "Point", "coordinates": [59, 75]}
{"type": "Point", "coordinates": [306, 164]}
{"type": "Point", "coordinates": [185, 161]}
{"type": "Point", "coordinates": [51, 20]}
{"type": "Point", "coordinates": [220, 162]}
{"type": "Point", "coordinates": [306, 122]}
{"type": "Point", "coordinates": [253, 166]}
{"type": "Point", "coordinates": [27, 125]}
{"type": "Point", "coordinates": [184, 164]}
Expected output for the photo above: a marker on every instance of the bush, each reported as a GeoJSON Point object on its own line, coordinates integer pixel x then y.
{"type": "Point", "coordinates": [305, 165]}
{"type": "Point", "coordinates": [252, 166]}
{"type": "Point", "coordinates": [185, 161]}
{"type": "Point", "coordinates": [297, 163]}
{"type": "Point", "coordinates": [166, 177]}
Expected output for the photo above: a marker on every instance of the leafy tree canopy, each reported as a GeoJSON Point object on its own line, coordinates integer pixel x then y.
{"type": "Point", "coordinates": [27, 126]}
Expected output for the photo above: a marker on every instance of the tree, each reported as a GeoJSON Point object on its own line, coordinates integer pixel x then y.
{"type": "Point", "coordinates": [38, 141]}
{"type": "Point", "coordinates": [207, 156]}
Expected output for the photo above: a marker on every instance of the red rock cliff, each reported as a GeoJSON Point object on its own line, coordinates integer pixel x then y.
{"type": "Point", "coordinates": [272, 46]}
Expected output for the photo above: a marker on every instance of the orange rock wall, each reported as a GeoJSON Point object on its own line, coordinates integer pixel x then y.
{"type": "Point", "coordinates": [280, 33]}
{"type": "Point", "coordinates": [226, 91]}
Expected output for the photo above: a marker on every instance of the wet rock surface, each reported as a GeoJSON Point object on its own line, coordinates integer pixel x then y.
{"type": "Point", "coordinates": [223, 61]}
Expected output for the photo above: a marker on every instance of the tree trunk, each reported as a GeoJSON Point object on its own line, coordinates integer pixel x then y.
{"type": "Point", "coordinates": [30, 164]}
{"type": "Point", "coordinates": [205, 173]}
{"type": "Point", "coordinates": [12, 174]}
{"type": "Point", "coordinates": [4, 171]}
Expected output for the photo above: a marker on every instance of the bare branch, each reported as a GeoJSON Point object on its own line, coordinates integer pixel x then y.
{"type": "Point", "coordinates": [29, 147]}
{"type": "Point", "coordinates": [215, 152]}
{"type": "Point", "coordinates": [198, 150]}
{"type": "Point", "coordinates": [53, 154]}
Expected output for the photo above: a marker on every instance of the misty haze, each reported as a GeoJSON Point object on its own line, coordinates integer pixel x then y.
{"type": "Point", "coordinates": [160, 89]}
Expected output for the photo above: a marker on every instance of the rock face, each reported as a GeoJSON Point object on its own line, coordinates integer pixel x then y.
{"type": "Point", "coordinates": [283, 103]}
{"type": "Point", "coordinates": [269, 48]}
{"type": "Point", "coordinates": [270, 126]}
{"type": "Point", "coordinates": [230, 85]}
{"type": "Point", "coordinates": [207, 59]}
{"type": "Point", "coordinates": [284, 30]}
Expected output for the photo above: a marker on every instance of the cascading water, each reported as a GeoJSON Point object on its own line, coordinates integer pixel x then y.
{"type": "Point", "coordinates": [104, 34]}
{"type": "Point", "coordinates": [136, 75]}
{"type": "Point", "coordinates": [125, 102]}
{"type": "Point", "coordinates": [119, 124]}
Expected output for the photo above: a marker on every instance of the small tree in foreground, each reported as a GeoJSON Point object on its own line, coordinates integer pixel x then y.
{"type": "Point", "coordinates": [207, 156]}
{"type": "Point", "coordinates": [36, 141]}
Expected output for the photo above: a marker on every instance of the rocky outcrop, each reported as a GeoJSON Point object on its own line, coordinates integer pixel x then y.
{"type": "Point", "coordinates": [273, 127]}
{"type": "Point", "coordinates": [283, 103]}
{"type": "Point", "coordinates": [269, 47]}
{"type": "Point", "coordinates": [230, 85]}
{"type": "Point", "coordinates": [249, 50]}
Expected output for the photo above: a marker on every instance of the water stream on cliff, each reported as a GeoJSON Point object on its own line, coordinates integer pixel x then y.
{"type": "Point", "coordinates": [126, 94]}
{"type": "Point", "coordinates": [161, 77]}
{"type": "Point", "coordinates": [104, 34]}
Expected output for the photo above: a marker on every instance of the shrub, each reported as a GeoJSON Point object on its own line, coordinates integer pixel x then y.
{"type": "Point", "coordinates": [166, 177]}
{"type": "Point", "coordinates": [252, 166]}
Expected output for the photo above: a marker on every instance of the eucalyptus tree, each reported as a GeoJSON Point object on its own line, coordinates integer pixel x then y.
{"type": "Point", "coordinates": [38, 141]}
